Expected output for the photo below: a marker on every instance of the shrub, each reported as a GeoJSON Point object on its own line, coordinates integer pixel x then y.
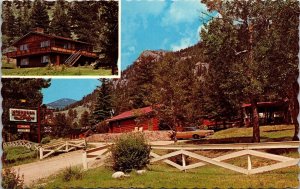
{"type": "Point", "coordinates": [130, 151]}
{"type": "Point", "coordinates": [18, 153]}
{"type": "Point", "coordinates": [70, 173]}
{"type": "Point", "coordinates": [11, 179]}
{"type": "Point", "coordinates": [102, 127]}
{"type": "Point", "coordinates": [45, 140]}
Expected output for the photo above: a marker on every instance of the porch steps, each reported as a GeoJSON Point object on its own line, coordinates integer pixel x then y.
{"type": "Point", "coordinates": [73, 58]}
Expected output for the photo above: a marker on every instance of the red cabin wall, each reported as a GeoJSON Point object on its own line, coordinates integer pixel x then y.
{"type": "Point", "coordinates": [128, 125]}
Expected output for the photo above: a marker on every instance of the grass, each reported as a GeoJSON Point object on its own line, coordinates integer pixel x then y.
{"type": "Point", "coordinates": [267, 133]}
{"type": "Point", "coordinates": [162, 175]}
{"type": "Point", "coordinates": [19, 155]}
{"type": "Point", "coordinates": [9, 70]}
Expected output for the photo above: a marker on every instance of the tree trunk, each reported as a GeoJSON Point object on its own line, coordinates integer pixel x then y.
{"type": "Point", "coordinates": [295, 109]}
{"type": "Point", "coordinates": [255, 121]}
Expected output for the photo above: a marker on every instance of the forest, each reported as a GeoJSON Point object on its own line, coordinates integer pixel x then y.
{"type": "Point", "coordinates": [95, 22]}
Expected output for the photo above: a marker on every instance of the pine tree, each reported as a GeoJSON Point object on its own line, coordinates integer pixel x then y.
{"type": "Point", "coordinates": [25, 17]}
{"type": "Point", "coordinates": [9, 29]}
{"type": "Point", "coordinates": [13, 90]}
{"type": "Point", "coordinates": [103, 105]}
{"type": "Point", "coordinates": [84, 121]}
{"type": "Point", "coordinates": [39, 16]}
{"type": "Point", "coordinates": [60, 22]}
{"type": "Point", "coordinates": [107, 26]}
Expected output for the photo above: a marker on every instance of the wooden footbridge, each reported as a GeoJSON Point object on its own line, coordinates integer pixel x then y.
{"type": "Point", "coordinates": [235, 150]}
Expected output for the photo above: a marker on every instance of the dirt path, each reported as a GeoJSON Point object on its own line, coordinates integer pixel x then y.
{"type": "Point", "coordinates": [49, 166]}
{"type": "Point", "coordinates": [45, 168]}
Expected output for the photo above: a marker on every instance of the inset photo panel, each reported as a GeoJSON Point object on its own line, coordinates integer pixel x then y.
{"type": "Point", "coordinates": [60, 38]}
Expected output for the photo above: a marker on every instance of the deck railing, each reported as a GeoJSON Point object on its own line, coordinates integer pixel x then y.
{"type": "Point", "coordinates": [43, 50]}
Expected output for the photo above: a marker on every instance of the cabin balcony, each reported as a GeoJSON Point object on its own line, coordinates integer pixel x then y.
{"type": "Point", "coordinates": [50, 49]}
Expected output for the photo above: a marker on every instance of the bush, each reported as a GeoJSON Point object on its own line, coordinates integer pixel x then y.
{"type": "Point", "coordinates": [70, 173]}
{"type": "Point", "coordinates": [11, 179]}
{"type": "Point", "coordinates": [45, 140]}
{"type": "Point", "coordinates": [130, 152]}
{"type": "Point", "coordinates": [102, 127]}
{"type": "Point", "coordinates": [18, 153]}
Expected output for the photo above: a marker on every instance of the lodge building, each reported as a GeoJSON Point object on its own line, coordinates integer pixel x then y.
{"type": "Point", "coordinates": [138, 119]}
{"type": "Point", "coordinates": [37, 49]}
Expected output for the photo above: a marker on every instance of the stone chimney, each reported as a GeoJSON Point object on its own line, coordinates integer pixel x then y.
{"type": "Point", "coordinates": [39, 30]}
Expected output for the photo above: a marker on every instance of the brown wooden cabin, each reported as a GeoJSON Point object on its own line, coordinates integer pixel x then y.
{"type": "Point", "coordinates": [134, 120]}
{"type": "Point", "coordinates": [269, 113]}
{"type": "Point", "coordinates": [37, 49]}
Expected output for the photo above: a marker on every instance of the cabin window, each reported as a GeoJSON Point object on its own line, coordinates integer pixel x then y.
{"type": "Point", "coordinates": [24, 61]}
{"type": "Point", "coordinates": [68, 46]}
{"type": "Point", "coordinates": [45, 59]}
{"type": "Point", "coordinates": [45, 43]}
{"type": "Point", "coordinates": [24, 47]}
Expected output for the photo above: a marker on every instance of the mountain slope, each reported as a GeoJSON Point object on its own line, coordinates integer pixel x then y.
{"type": "Point", "coordinates": [61, 103]}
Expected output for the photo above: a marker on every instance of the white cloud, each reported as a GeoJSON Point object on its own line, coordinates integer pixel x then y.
{"type": "Point", "coordinates": [184, 43]}
{"type": "Point", "coordinates": [184, 11]}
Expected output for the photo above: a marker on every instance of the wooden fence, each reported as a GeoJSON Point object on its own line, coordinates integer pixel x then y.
{"type": "Point", "coordinates": [93, 154]}
{"type": "Point", "coordinates": [240, 149]}
{"type": "Point", "coordinates": [24, 143]}
{"type": "Point", "coordinates": [60, 146]}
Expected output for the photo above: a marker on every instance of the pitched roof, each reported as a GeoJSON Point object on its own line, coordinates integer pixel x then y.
{"type": "Point", "coordinates": [132, 113]}
{"type": "Point", "coordinates": [265, 104]}
{"type": "Point", "coordinates": [50, 36]}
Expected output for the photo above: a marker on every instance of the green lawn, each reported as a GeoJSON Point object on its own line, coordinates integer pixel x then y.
{"type": "Point", "coordinates": [19, 155]}
{"type": "Point", "coordinates": [54, 71]}
{"type": "Point", "coordinates": [267, 133]}
{"type": "Point", "coordinates": [161, 175]}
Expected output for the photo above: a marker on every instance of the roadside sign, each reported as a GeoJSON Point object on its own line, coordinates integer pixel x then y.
{"type": "Point", "coordinates": [23, 126]}
{"type": "Point", "coordinates": [22, 115]}
{"type": "Point", "coordinates": [47, 129]}
{"type": "Point", "coordinates": [24, 130]}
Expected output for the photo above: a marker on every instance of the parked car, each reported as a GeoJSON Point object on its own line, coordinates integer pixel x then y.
{"type": "Point", "coordinates": [193, 132]}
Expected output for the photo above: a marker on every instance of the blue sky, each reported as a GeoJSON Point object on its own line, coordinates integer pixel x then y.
{"type": "Point", "coordinates": [145, 25]}
{"type": "Point", "coordinates": [159, 24]}
{"type": "Point", "coordinates": [69, 88]}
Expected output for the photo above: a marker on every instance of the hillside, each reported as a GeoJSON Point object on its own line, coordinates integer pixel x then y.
{"type": "Point", "coordinates": [130, 83]}
{"type": "Point", "coordinates": [61, 103]}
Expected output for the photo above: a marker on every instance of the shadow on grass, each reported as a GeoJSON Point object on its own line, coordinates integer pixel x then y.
{"type": "Point", "coordinates": [237, 140]}
{"type": "Point", "coordinates": [278, 130]}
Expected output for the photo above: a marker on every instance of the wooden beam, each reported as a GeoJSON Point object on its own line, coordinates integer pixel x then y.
{"type": "Point", "coordinates": [274, 166]}
{"type": "Point", "coordinates": [214, 162]}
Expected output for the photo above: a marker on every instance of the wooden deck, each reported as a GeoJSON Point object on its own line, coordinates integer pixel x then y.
{"type": "Point", "coordinates": [46, 50]}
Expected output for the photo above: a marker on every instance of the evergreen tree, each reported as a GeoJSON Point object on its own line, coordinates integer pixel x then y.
{"type": "Point", "coordinates": [9, 29]}
{"type": "Point", "coordinates": [15, 90]}
{"type": "Point", "coordinates": [103, 105]}
{"type": "Point", "coordinates": [25, 17]}
{"type": "Point", "coordinates": [39, 16]}
{"type": "Point", "coordinates": [107, 26]}
{"type": "Point", "coordinates": [83, 17]}
{"type": "Point", "coordinates": [84, 121]}
{"type": "Point", "coordinates": [60, 24]}
{"type": "Point", "coordinates": [173, 97]}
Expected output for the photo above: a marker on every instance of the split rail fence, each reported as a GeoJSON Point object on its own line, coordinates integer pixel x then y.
{"type": "Point", "coordinates": [240, 149]}
{"type": "Point", "coordinates": [24, 143]}
{"type": "Point", "coordinates": [61, 146]}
